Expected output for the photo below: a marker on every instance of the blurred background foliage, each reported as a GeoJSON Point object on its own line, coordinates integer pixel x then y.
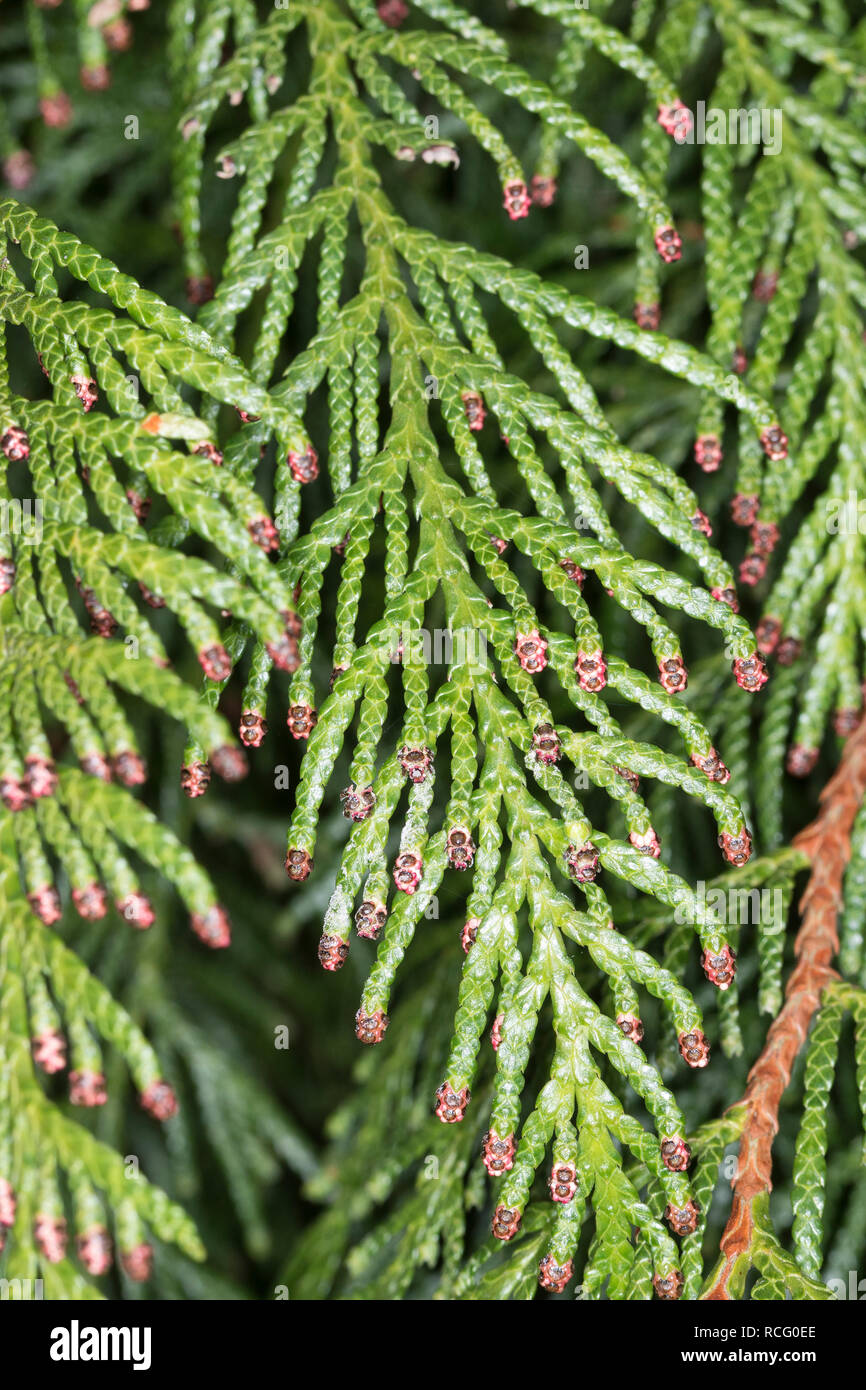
{"type": "Point", "coordinates": [311, 1170]}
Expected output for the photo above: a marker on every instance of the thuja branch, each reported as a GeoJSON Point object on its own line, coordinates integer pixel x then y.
{"type": "Point", "coordinates": [418, 487]}
{"type": "Point", "coordinates": [40, 1148]}
{"type": "Point", "coordinates": [787, 293]}
{"type": "Point", "coordinates": [95, 455]}
{"type": "Point", "coordinates": [827, 842]}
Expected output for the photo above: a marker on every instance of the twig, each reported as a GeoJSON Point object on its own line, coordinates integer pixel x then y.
{"type": "Point", "coordinates": [826, 841]}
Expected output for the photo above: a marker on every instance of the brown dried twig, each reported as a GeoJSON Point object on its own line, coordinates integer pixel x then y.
{"type": "Point", "coordinates": [827, 842]}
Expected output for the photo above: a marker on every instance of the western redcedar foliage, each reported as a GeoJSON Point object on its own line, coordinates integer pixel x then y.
{"type": "Point", "coordinates": [499, 322]}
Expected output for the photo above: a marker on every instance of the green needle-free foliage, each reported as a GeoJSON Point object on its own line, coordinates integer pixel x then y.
{"type": "Point", "coordinates": [421, 479]}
